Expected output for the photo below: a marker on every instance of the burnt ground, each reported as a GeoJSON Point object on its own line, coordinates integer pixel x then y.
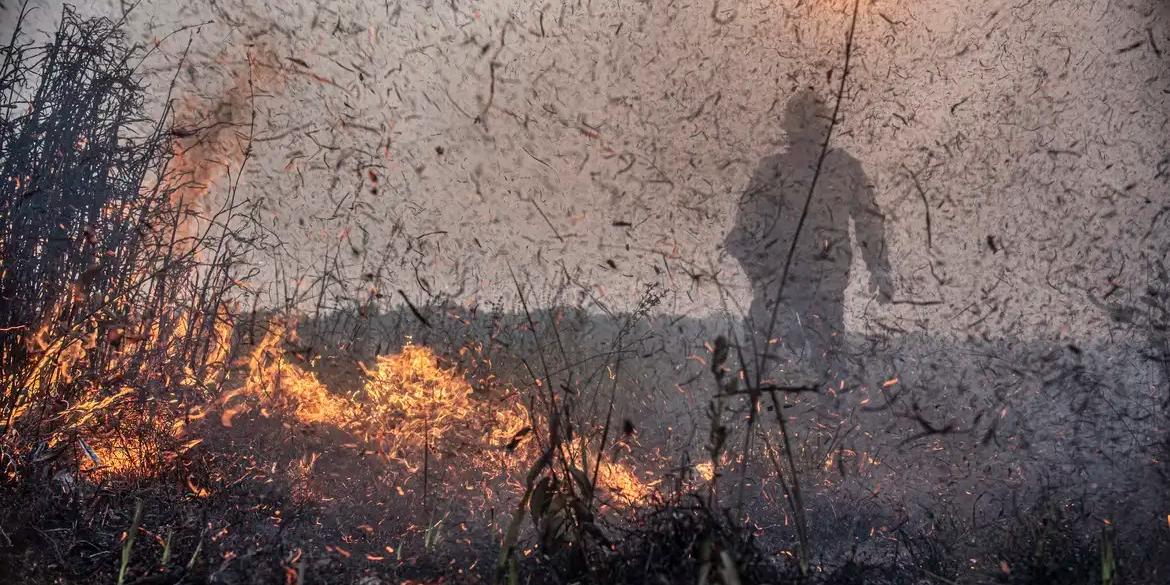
{"type": "Point", "coordinates": [985, 462]}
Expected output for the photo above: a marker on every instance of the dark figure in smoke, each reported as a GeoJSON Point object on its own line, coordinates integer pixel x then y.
{"type": "Point", "coordinates": [809, 326]}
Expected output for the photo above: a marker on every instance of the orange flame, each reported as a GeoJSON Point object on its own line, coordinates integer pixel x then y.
{"type": "Point", "coordinates": [412, 407]}
{"type": "Point", "coordinates": [276, 381]}
{"type": "Point", "coordinates": [214, 131]}
{"type": "Point", "coordinates": [422, 401]}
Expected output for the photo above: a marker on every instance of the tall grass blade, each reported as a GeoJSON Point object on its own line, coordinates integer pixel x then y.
{"type": "Point", "coordinates": [129, 544]}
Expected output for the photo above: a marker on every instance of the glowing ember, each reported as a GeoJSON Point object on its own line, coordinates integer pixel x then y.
{"type": "Point", "coordinates": [621, 483]}
{"type": "Point", "coordinates": [706, 471]}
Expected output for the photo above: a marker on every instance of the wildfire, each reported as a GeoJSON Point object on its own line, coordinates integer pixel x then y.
{"type": "Point", "coordinates": [623, 485]}
{"type": "Point", "coordinates": [705, 471]}
{"type": "Point", "coordinates": [424, 403]}
{"type": "Point", "coordinates": [417, 413]}
{"type": "Point", "coordinates": [409, 409]}
{"type": "Point", "coordinates": [282, 384]}
{"type": "Point", "coordinates": [107, 428]}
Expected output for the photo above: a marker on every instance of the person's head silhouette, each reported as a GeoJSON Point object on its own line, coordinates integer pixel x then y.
{"type": "Point", "coordinates": [807, 118]}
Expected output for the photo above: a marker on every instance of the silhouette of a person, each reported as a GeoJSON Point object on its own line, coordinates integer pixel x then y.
{"type": "Point", "coordinates": [809, 323]}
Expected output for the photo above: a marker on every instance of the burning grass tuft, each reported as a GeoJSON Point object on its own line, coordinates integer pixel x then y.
{"type": "Point", "coordinates": [419, 404]}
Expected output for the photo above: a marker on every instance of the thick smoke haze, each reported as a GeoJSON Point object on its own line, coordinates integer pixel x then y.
{"type": "Point", "coordinates": [1017, 151]}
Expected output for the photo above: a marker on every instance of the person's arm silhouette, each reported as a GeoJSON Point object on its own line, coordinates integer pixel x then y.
{"type": "Point", "coordinates": [750, 240]}
{"type": "Point", "coordinates": [869, 227]}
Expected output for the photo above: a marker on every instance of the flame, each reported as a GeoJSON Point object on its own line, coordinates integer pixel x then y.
{"type": "Point", "coordinates": [420, 416]}
{"type": "Point", "coordinates": [108, 388]}
{"type": "Point", "coordinates": [410, 407]}
{"type": "Point", "coordinates": [422, 402]}
{"type": "Point", "coordinates": [706, 471]}
{"type": "Point", "coordinates": [620, 481]}
{"type": "Point", "coordinates": [110, 431]}
{"type": "Point", "coordinates": [280, 383]}
{"type": "Point", "coordinates": [216, 139]}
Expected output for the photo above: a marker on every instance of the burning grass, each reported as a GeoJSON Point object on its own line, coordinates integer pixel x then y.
{"type": "Point", "coordinates": [422, 419]}
{"type": "Point", "coordinates": [272, 382]}
{"type": "Point", "coordinates": [421, 403]}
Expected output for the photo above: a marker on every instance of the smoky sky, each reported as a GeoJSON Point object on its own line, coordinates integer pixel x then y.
{"type": "Point", "coordinates": [609, 144]}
